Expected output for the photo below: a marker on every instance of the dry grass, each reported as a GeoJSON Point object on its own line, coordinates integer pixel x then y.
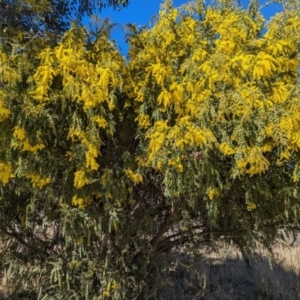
{"type": "Point", "coordinates": [223, 274]}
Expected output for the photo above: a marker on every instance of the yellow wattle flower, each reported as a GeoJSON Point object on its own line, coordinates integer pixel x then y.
{"type": "Point", "coordinates": [5, 172]}
{"type": "Point", "coordinates": [38, 180]}
{"type": "Point", "coordinates": [80, 179]}
{"type": "Point", "coordinates": [136, 178]}
{"type": "Point", "coordinates": [213, 193]}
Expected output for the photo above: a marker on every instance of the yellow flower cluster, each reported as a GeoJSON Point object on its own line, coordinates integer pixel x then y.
{"type": "Point", "coordinates": [185, 134]}
{"type": "Point", "coordinates": [143, 120]}
{"type": "Point", "coordinates": [38, 181]}
{"type": "Point", "coordinates": [242, 63]}
{"type": "Point", "coordinates": [197, 137]}
{"type": "Point", "coordinates": [176, 162]}
{"type": "Point", "coordinates": [5, 172]}
{"type": "Point", "coordinates": [280, 92]}
{"type": "Point", "coordinates": [253, 161]}
{"type": "Point", "coordinates": [109, 288]}
{"type": "Point", "coordinates": [102, 123]}
{"type": "Point", "coordinates": [226, 149]}
{"type": "Point", "coordinates": [90, 157]}
{"type": "Point", "coordinates": [240, 84]}
{"type": "Point", "coordinates": [81, 203]}
{"type": "Point", "coordinates": [284, 156]}
{"type": "Point", "coordinates": [92, 151]}
{"type": "Point", "coordinates": [136, 178]}
{"type": "Point", "coordinates": [212, 193]}
{"type": "Point", "coordinates": [264, 67]}
{"type": "Point", "coordinates": [267, 147]}
{"type": "Point", "coordinates": [111, 105]}
{"type": "Point", "coordinates": [157, 140]}
{"type": "Point", "coordinates": [290, 127]}
{"type": "Point", "coordinates": [4, 112]}
{"type": "Point", "coordinates": [80, 179]}
{"type": "Point", "coordinates": [23, 141]}
{"type": "Point", "coordinates": [250, 96]}
{"type": "Point", "coordinates": [93, 81]}
{"type": "Point", "coordinates": [10, 74]}
{"type": "Point", "coordinates": [165, 98]}
{"type": "Point", "coordinates": [4, 57]}
{"type": "Point", "coordinates": [159, 72]}
{"type": "Point", "coordinates": [44, 75]}
{"type": "Point", "coordinates": [269, 129]}
{"type": "Point", "coordinates": [213, 19]}
{"type": "Point", "coordinates": [251, 206]}
{"type": "Point", "coordinates": [20, 133]}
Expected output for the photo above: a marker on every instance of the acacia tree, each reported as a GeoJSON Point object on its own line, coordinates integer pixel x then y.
{"type": "Point", "coordinates": [105, 165]}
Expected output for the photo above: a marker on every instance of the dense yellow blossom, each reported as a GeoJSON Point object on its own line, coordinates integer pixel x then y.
{"type": "Point", "coordinates": [5, 172]}
{"type": "Point", "coordinates": [290, 127]}
{"type": "Point", "coordinates": [267, 147]}
{"type": "Point", "coordinates": [38, 180]}
{"type": "Point", "coordinates": [264, 66]}
{"type": "Point", "coordinates": [23, 141]}
{"type": "Point", "coordinates": [90, 155]}
{"type": "Point", "coordinates": [208, 93]}
{"type": "Point", "coordinates": [20, 133]}
{"type": "Point", "coordinates": [111, 106]}
{"type": "Point", "coordinates": [269, 129]}
{"type": "Point", "coordinates": [280, 92]}
{"type": "Point", "coordinates": [80, 179]}
{"type": "Point", "coordinates": [143, 120]}
{"type": "Point", "coordinates": [253, 162]}
{"type": "Point", "coordinates": [92, 151]}
{"type": "Point", "coordinates": [101, 122]}
{"type": "Point", "coordinates": [156, 142]}
{"type": "Point", "coordinates": [226, 149]}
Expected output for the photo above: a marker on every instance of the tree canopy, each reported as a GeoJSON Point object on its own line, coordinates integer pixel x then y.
{"type": "Point", "coordinates": [19, 16]}
{"type": "Point", "coordinates": [107, 164]}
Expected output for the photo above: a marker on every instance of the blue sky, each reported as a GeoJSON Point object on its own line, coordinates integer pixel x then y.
{"type": "Point", "coordinates": [140, 12]}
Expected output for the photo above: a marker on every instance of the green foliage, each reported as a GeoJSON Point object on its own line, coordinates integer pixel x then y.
{"type": "Point", "coordinates": [106, 166]}
{"type": "Point", "coordinates": [22, 16]}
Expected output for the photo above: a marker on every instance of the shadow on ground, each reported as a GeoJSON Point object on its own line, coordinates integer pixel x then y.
{"type": "Point", "coordinates": [229, 278]}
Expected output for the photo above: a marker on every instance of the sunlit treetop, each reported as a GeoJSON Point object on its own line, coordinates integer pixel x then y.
{"type": "Point", "coordinates": [213, 81]}
{"type": "Point", "coordinates": [206, 79]}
